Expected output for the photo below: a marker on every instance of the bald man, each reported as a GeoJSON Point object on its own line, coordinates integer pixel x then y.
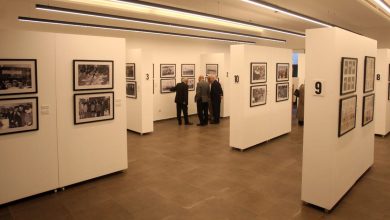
{"type": "Point", "coordinates": [202, 98]}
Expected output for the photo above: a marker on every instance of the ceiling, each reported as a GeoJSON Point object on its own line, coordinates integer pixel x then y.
{"type": "Point", "coordinates": [356, 15]}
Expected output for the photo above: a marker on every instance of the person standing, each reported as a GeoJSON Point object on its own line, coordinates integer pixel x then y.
{"type": "Point", "coordinates": [202, 97]}
{"type": "Point", "coordinates": [216, 95]}
{"type": "Point", "coordinates": [181, 101]}
{"type": "Point", "coordinates": [301, 105]}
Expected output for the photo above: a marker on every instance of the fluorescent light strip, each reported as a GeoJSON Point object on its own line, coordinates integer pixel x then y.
{"type": "Point", "coordinates": [285, 11]}
{"type": "Point", "coordinates": [203, 15]}
{"type": "Point", "coordinates": [383, 5]}
{"type": "Point", "coordinates": [144, 21]}
{"type": "Point", "coordinates": [76, 24]}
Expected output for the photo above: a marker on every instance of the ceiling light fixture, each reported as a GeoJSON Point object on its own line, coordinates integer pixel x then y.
{"type": "Point", "coordinates": [286, 11]}
{"type": "Point", "coordinates": [383, 5]}
{"type": "Point", "coordinates": [144, 21]}
{"type": "Point", "coordinates": [76, 24]}
{"type": "Point", "coordinates": [148, 7]}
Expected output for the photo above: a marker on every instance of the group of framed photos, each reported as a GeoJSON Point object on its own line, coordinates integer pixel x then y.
{"type": "Point", "coordinates": [168, 76]}
{"type": "Point", "coordinates": [258, 78]}
{"type": "Point", "coordinates": [348, 83]}
{"type": "Point", "coordinates": [131, 84]}
{"type": "Point", "coordinates": [93, 75]}
{"type": "Point", "coordinates": [18, 77]}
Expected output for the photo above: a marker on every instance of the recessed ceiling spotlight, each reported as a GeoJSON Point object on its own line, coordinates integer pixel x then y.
{"type": "Point", "coordinates": [286, 11]}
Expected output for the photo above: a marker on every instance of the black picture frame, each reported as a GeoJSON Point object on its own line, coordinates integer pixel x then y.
{"type": "Point", "coordinates": [76, 108]}
{"type": "Point", "coordinates": [389, 74]}
{"type": "Point", "coordinates": [388, 91]}
{"type": "Point", "coordinates": [167, 90]}
{"type": "Point", "coordinates": [251, 103]}
{"type": "Point", "coordinates": [208, 69]}
{"type": "Point", "coordinates": [287, 77]}
{"type": "Point", "coordinates": [343, 61]}
{"type": "Point", "coordinates": [173, 75]}
{"type": "Point", "coordinates": [5, 83]}
{"type": "Point", "coordinates": [366, 66]}
{"type": "Point", "coordinates": [35, 114]}
{"type": "Point", "coordinates": [128, 65]}
{"type": "Point", "coordinates": [182, 70]}
{"type": "Point", "coordinates": [277, 92]}
{"type": "Point", "coordinates": [135, 89]}
{"type": "Point", "coordinates": [110, 85]}
{"type": "Point", "coordinates": [252, 80]}
{"type": "Point", "coordinates": [364, 121]}
{"type": "Point", "coordinates": [341, 104]}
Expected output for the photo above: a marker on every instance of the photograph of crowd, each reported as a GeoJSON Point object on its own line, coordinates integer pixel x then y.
{"type": "Point", "coordinates": [369, 74]}
{"type": "Point", "coordinates": [167, 84]}
{"type": "Point", "coordinates": [90, 75]}
{"type": "Point", "coordinates": [188, 70]}
{"type": "Point", "coordinates": [212, 69]}
{"type": "Point", "coordinates": [258, 95]}
{"type": "Point", "coordinates": [258, 73]}
{"type": "Point", "coordinates": [168, 70]}
{"type": "Point", "coordinates": [18, 76]}
{"type": "Point", "coordinates": [282, 70]}
{"type": "Point", "coordinates": [347, 115]}
{"type": "Point", "coordinates": [282, 92]}
{"type": "Point", "coordinates": [131, 89]}
{"type": "Point", "coordinates": [18, 115]}
{"type": "Point", "coordinates": [94, 107]}
{"type": "Point", "coordinates": [348, 75]}
{"type": "Point", "coordinates": [130, 71]}
{"type": "Point", "coordinates": [368, 109]}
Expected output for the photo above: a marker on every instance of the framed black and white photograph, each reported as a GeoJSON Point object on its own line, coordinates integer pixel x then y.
{"type": "Point", "coordinates": [166, 85]}
{"type": "Point", "coordinates": [18, 115]}
{"type": "Point", "coordinates": [282, 93]}
{"type": "Point", "coordinates": [348, 75]}
{"type": "Point", "coordinates": [258, 95]}
{"type": "Point", "coordinates": [212, 69]}
{"type": "Point", "coordinates": [130, 71]}
{"type": "Point", "coordinates": [369, 74]}
{"type": "Point", "coordinates": [347, 115]}
{"type": "Point", "coordinates": [191, 84]}
{"type": "Point", "coordinates": [167, 70]}
{"type": "Point", "coordinates": [368, 109]}
{"type": "Point", "coordinates": [93, 107]}
{"type": "Point", "coordinates": [188, 70]}
{"type": "Point", "coordinates": [131, 89]}
{"type": "Point", "coordinates": [258, 73]}
{"type": "Point", "coordinates": [93, 74]}
{"type": "Point", "coordinates": [282, 72]}
{"type": "Point", "coordinates": [18, 76]}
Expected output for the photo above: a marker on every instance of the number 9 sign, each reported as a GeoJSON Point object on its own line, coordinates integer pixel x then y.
{"type": "Point", "coordinates": [318, 87]}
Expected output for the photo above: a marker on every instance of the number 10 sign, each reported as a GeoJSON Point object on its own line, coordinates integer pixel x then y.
{"type": "Point", "coordinates": [318, 87]}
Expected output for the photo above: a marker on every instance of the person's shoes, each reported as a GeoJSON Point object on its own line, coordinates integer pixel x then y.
{"type": "Point", "coordinates": [213, 122]}
{"type": "Point", "coordinates": [199, 124]}
{"type": "Point", "coordinates": [188, 123]}
{"type": "Point", "coordinates": [179, 123]}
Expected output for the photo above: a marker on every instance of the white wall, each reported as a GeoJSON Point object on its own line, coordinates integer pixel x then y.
{"type": "Point", "coordinates": [331, 165]}
{"type": "Point", "coordinates": [140, 110]}
{"type": "Point", "coordinates": [167, 50]}
{"type": "Point", "coordinates": [382, 104]}
{"type": "Point", "coordinates": [61, 153]}
{"type": "Point", "coordinates": [28, 161]}
{"type": "Point", "coordinates": [251, 126]}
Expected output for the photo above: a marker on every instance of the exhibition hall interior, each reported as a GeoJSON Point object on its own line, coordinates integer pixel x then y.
{"type": "Point", "coordinates": [194, 109]}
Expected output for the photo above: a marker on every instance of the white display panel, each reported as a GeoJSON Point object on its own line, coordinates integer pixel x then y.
{"type": "Point", "coordinates": [250, 126]}
{"type": "Point", "coordinates": [382, 87]}
{"type": "Point", "coordinates": [332, 164]}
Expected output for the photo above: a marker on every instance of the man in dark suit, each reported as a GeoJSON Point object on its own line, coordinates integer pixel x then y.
{"type": "Point", "coordinates": [216, 95]}
{"type": "Point", "coordinates": [202, 98]}
{"type": "Point", "coordinates": [181, 100]}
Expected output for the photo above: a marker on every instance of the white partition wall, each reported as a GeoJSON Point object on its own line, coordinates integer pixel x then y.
{"type": "Point", "coordinates": [28, 161]}
{"type": "Point", "coordinates": [332, 164]}
{"type": "Point", "coordinates": [250, 126]}
{"type": "Point", "coordinates": [223, 76]}
{"type": "Point", "coordinates": [140, 109]}
{"type": "Point", "coordinates": [93, 149]}
{"type": "Point", "coordinates": [382, 102]}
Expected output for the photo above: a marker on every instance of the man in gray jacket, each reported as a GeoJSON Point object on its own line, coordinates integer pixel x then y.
{"type": "Point", "coordinates": [202, 98]}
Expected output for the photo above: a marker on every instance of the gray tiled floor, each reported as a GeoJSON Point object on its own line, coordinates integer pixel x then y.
{"type": "Point", "coordinates": [189, 172]}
